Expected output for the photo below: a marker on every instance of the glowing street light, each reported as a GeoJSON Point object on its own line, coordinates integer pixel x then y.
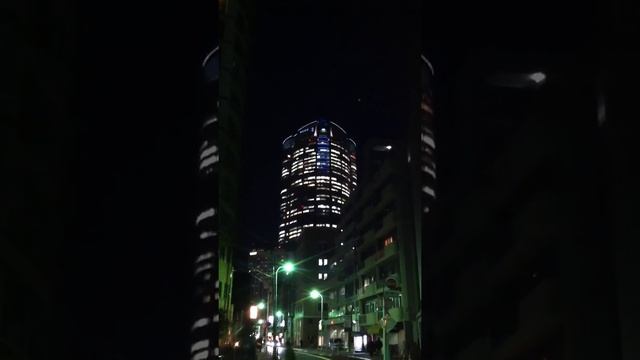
{"type": "Point", "coordinates": [279, 314]}
{"type": "Point", "coordinates": [288, 267]}
{"type": "Point", "coordinates": [261, 306]}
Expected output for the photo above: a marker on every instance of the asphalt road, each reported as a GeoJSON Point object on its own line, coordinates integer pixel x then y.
{"type": "Point", "coordinates": [299, 356]}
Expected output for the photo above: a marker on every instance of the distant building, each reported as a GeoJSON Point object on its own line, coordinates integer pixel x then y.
{"type": "Point", "coordinates": [261, 270]}
{"type": "Point", "coordinates": [312, 255]}
{"type": "Point", "coordinates": [318, 176]}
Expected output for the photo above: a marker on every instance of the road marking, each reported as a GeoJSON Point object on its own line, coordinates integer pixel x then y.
{"type": "Point", "coordinates": [314, 355]}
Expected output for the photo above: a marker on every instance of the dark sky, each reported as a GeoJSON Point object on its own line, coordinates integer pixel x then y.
{"type": "Point", "coordinates": [353, 63]}
{"type": "Point", "coordinates": [128, 263]}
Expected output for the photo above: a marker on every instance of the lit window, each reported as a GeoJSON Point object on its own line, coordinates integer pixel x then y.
{"type": "Point", "coordinates": [319, 276]}
{"type": "Point", "coordinates": [199, 345]}
{"type": "Point", "coordinates": [388, 241]}
{"type": "Point", "coordinates": [200, 323]}
{"type": "Point", "coordinates": [325, 276]}
{"type": "Point", "coordinates": [204, 256]}
{"type": "Point", "coordinates": [325, 261]}
{"type": "Point", "coordinates": [201, 355]}
{"type": "Point", "coordinates": [319, 262]}
{"type": "Point", "coordinates": [203, 267]}
{"type": "Point", "coordinates": [205, 214]}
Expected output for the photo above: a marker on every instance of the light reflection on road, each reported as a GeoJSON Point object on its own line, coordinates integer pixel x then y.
{"type": "Point", "coordinates": [280, 350]}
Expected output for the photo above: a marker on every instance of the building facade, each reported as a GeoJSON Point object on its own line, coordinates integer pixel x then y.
{"type": "Point", "coordinates": [205, 323]}
{"type": "Point", "coordinates": [236, 34]}
{"type": "Point", "coordinates": [318, 175]}
{"type": "Point", "coordinates": [261, 269]}
{"type": "Point", "coordinates": [312, 255]}
{"type": "Point", "coordinates": [422, 163]}
{"type": "Point", "coordinates": [377, 245]}
{"type": "Point", "coordinates": [522, 258]}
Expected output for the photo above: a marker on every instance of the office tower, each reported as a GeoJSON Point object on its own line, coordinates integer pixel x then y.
{"type": "Point", "coordinates": [318, 176]}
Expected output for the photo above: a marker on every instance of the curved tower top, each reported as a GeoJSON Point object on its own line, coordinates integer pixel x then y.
{"type": "Point", "coordinates": [318, 176]}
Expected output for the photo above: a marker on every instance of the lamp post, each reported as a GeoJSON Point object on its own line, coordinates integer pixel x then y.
{"type": "Point", "coordinates": [287, 267]}
{"type": "Point", "coordinates": [385, 342]}
{"type": "Point", "coordinates": [314, 295]}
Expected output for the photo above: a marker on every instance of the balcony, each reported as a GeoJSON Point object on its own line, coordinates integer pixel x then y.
{"type": "Point", "coordinates": [367, 291]}
{"type": "Point", "coordinates": [390, 250]}
{"type": "Point", "coordinates": [335, 314]}
{"type": "Point", "coordinates": [371, 260]}
{"type": "Point", "coordinates": [369, 319]}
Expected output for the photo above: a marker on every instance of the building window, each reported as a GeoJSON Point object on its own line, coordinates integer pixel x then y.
{"type": "Point", "coordinates": [388, 241]}
{"type": "Point", "coordinates": [319, 262]}
{"type": "Point", "coordinates": [319, 276]}
{"type": "Point", "coordinates": [325, 276]}
{"type": "Point", "coordinates": [326, 261]}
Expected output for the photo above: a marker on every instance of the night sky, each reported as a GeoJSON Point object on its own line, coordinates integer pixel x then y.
{"type": "Point", "coordinates": [138, 109]}
{"type": "Point", "coordinates": [353, 63]}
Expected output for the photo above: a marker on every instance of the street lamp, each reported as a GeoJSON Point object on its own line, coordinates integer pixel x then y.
{"type": "Point", "coordinates": [314, 295]}
{"type": "Point", "coordinates": [261, 306]}
{"type": "Point", "coordinates": [287, 267]}
{"type": "Point", "coordinates": [253, 312]}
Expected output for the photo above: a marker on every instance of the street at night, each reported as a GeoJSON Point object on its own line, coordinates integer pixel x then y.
{"type": "Point", "coordinates": [304, 179]}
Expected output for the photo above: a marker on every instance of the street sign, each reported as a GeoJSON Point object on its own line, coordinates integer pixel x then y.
{"type": "Point", "coordinates": [392, 282]}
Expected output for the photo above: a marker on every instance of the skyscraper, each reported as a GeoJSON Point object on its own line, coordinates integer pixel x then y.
{"type": "Point", "coordinates": [318, 175]}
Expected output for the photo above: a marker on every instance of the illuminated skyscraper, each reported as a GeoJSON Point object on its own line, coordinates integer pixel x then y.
{"type": "Point", "coordinates": [318, 176]}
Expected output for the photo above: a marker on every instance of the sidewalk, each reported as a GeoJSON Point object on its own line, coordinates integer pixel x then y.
{"type": "Point", "coordinates": [329, 354]}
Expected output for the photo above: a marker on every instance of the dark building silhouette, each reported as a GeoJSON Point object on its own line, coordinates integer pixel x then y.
{"type": "Point", "coordinates": [526, 262]}
{"type": "Point", "coordinates": [205, 329]}
{"type": "Point", "coordinates": [237, 19]}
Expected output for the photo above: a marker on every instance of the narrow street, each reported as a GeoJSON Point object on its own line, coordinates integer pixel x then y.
{"type": "Point", "coordinates": [304, 354]}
